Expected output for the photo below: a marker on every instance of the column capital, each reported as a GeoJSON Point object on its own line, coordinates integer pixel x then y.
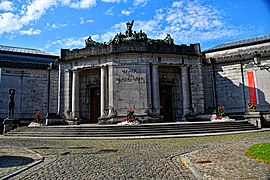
{"type": "Point", "coordinates": [75, 70]}
{"type": "Point", "coordinates": [103, 65]}
{"type": "Point", "coordinates": [184, 66]}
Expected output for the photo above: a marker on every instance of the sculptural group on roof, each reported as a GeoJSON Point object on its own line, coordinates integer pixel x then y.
{"type": "Point", "coordinates": [130, 36]}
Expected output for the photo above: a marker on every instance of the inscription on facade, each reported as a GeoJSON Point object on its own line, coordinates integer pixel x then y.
{"type": "Point", "coordinates": [130, 75]}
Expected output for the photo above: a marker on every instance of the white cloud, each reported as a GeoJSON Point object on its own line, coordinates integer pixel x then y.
{"type": "Point", "coordinates": [65, 2]}
{"type": "Point", "coordinates": [126, 12]}
{"type": "Point", "coordinates": [148, 26]}
{"type": "Point", "coordinates": [32, 11]}
{"type": "Point", "coordinates": [111, 1]}
{"type": "Point", "coordinates": [186, 21]}
{"type": "Point", "coordinates": [140, 2]}
{"type": "Point", "coordinates": [177, 4]}
{"type": "Point", "coordinates": [90, 21]}
{"type": "Point", "coordinates": [6, 6]}
{"type": "Point", "coordinates": [30, 32]}
{"type": "Point", "coordinates": [83, 21]}
{"type": "Point", "coordinates": [191, 21]}
{"type": "Point", "coordinates": [36, 9]}
{"type": "Point", "coordinates": [67, 43]}
{"type": "Point", "coordinates": [9, 22]}
{"type": "Point", "coordinates": [83, 4]}
{"type": "Point", "coordinates": [55, 25]}
{"type": "Point", "coordinates": [109, 11]}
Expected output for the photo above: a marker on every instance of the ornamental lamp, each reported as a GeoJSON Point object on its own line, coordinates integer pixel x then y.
{"type": "Point", "coordinates": [256, 58]}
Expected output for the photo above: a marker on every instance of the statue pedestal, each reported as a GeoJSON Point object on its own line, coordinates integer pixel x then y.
{"type": "Point", "coordinates": [254, 118]}
{"type": "Point", "coordinates": [10, 124]}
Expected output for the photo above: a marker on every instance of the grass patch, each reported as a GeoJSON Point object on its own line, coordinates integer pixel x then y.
{"type": "Point", "coordinates": [260, 152]}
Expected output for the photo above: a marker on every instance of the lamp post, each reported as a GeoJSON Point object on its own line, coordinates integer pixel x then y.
{"type": "Point", "coordinates": [212, 61]}
{"type": "Point", "coordinates": [257, 58]}
{"type": "Point", "coordinates": [257, 61]}
{"type": "Point", "coordinates": [49, 68]}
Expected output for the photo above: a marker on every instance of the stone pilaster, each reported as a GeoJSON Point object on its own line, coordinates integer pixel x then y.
{"type": "Point", "coordinates": [59, 90]}
{"type": "Point", "coordinates": [155, 87]}
{"type": "Point", "coordinates": [75, 94]}
{"type": "Point", "coordinates": [185, 90]}
{"type": "Point", "coordinates": [103, 90]}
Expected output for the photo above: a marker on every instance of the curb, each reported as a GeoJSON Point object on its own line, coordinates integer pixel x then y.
{"type": "Point", "coordinates": [187, 163]}
{"type": "Point", "coordinates": [40, 160]}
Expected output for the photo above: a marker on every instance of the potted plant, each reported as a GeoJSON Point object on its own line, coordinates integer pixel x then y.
{"type": "Point", "coordinates": [130, 119]}
{"type": "Point", "coordinates": [37, 122]}
{"type": "Point", "coordinates": [220, 115]}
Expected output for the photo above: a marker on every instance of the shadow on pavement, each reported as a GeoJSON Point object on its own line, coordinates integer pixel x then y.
{"type": "Point", "coordinates": [12, 161]}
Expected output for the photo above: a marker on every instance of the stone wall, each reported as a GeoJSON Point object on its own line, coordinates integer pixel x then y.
{"type": "Point", "coordinates": [208, 84]}
{"type": "Point", "coordinates": [197, 89]}
{"type": "Point", "coordinates": [129, 89]}
{"type": "Point", "coordinates": [231, 69]}
{"type": "Point", "coordinates": [31, 87]}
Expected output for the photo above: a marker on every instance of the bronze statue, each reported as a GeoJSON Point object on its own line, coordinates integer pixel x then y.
{"type": "Point", "coordinates": [168, 39]}
{"type": "Point", "coordinates": [251, 107]}
{"type": "Point", "coordinates": [89, 42]}
{"type": "Point", "coordinates": [11, 103]}
{"type": "Point", "coordinates": [129, 28]}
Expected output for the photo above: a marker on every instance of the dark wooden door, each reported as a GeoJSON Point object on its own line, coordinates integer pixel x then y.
{"type": "Point", "coordinates": [166, 103]}
{"type": "Point", "coordinates": [94, 105]}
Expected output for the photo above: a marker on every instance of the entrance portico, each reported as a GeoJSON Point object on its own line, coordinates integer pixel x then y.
{"type": "Point", "coordinates": [161, 81]}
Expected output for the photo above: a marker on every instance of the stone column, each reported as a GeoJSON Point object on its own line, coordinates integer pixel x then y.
{"type": "Point", "coordinates": [185, 90]}
{"type": "Point", "coordinates": [103, 89]}
{"type": "Point", "coordinates": [59, 90]}
{"type": "Point", "coordinates": [155, 88]}
{"type": "Point", "coordinates": [75, 94]}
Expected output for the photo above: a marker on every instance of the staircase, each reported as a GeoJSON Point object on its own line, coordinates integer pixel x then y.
{"type": "Point", "coordinates": [139, 131]}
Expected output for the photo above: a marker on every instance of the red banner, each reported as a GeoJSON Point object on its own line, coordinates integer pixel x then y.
{"type": "Point", "coordinates": [252, 87]}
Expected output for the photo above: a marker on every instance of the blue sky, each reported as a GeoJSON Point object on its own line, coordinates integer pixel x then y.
{"type": "Point", "coordinates": [50, 25]}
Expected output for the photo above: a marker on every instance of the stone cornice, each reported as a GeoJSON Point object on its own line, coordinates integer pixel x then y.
{"type": "Point", "coordinates": [134, 47]}
{"type": "Point", "coordinates": [240, 54]}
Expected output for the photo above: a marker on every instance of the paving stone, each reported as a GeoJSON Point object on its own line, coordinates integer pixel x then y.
{"type": "Point", "coordinates": [142, 159]}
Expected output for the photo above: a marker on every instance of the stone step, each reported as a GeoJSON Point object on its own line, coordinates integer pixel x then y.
{"type": "Point", "coordinates": [132, 132]}
{"type": "Point", "coordinates": [125, 131]}
{"type": "Point", "coordinates": [118, 135]}
{"type": "Point", "coordinates": [135, 130]}
{"type": "Point", "coordinates": [138, 127]}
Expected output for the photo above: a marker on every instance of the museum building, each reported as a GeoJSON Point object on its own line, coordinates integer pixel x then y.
{"type": "Point", "coordinates": [238, 72]}
{"type": "Point", "coordinates": [33, 75]}
{"type": "Point", "coordinates": [162, 81]}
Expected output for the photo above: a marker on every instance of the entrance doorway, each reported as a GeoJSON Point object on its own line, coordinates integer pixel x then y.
{"type": "Point", "coordinates": [166, 109]}
{"type": "Point", "coordinates": [94, 105]}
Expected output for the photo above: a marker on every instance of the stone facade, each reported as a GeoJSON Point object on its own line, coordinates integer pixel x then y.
{"type": "Point", "coordinates": [162, 81]}
{"type": "Point", "coordinates": [25, 70]}
{"type": "Point", "coordinates": [226, 72]}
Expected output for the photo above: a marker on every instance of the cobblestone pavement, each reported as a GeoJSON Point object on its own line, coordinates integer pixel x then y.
{"type": "Point", "coordinates": [215, 157]}
{"type": "Point", "coordinates": [226, 161]}
{"type": "Point", "coordinates": [13, 159]}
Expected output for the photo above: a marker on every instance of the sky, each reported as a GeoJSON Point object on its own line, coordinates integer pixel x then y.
{"type": "Point", "coordinates": [52, 25]}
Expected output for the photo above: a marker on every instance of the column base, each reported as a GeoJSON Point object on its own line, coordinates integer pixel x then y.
{"type": "Point", "coordinates": [141, 119]}
{"type": "Point", "coordinates": [10, 124]}
{"type": "Point", "coordinates": [254, 118]}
